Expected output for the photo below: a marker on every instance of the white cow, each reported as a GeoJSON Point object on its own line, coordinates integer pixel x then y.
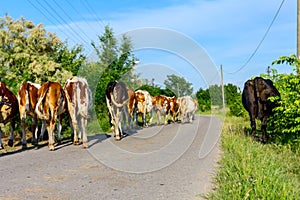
{"type": "Point", "coordinates": [79, 98]}
{"type": "Point", "coordinates": [187, 108]}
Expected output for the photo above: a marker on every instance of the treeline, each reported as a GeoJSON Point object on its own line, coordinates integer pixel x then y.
{"type": "Point", "coordinates": [212, 96]}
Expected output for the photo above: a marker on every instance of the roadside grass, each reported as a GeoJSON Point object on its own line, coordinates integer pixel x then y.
{"type": "Point", "coordinates": [252, 170]}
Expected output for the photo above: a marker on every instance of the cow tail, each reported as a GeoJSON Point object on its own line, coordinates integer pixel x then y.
{"type": "Point", "coordinates": [119, 105]}
{"type": "Point", "coordinates": [37, 110]}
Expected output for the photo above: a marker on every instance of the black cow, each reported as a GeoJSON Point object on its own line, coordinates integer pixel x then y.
{"type": "Point", "coordinates": [255, 100]}
{"type": "Point", "coordinates": [116, 101]}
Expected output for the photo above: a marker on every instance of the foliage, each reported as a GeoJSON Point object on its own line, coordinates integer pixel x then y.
{"type": "Point", "coordinates": [213, 96]}
{"type": "Point", "coordinates": [233, 98]}
{"type": "Point", "coordinates": [285, 123]}
{"type": "Point", "coordinates": [114, 62]}
{"type": "Point", "coordinates": [154, 91]}
{"type": "Point", "coordinates": [251, 170]}
{"type": "Point", "coordinates": [178, 85]}
{"type": "Point", "coordinates": [29, 53]}
{"type": "Point", "coordinates": [204, 100]}
{"type": "Point", "coordinates": [291, 60]}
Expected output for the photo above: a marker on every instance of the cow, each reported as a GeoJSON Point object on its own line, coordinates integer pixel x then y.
{"type": "Point", "coordinates": [116, 101]}
{"type": "Point", "coordinates": [161, 106]}
{"type": "Point", "coordinates": [255, 99]}
{"type": "Point", "coordinates": [8, 111]}
{"type": "Point", "coordinates": [144, 105]}
{"type": "Point", "coordinates": [132, 106]}
{"type": "Point", "coordinates": [79, 98]}
{"type": "Point", "coordinates": [173, 108]}
{"type": "Point", "coordinates": [51, 105]}
{"type": "Point", "coordinates": [27, 99]}
{"type": "Point", "coordinates": [187, 108]}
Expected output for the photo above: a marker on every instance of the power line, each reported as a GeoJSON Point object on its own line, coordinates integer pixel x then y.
{"type": "Point", "coordinates": [65, 22]}
{"type": "Point", "coordinates": [57, 20]}
{"type": "Point", "coordinates": [91, 10]}
{"type": "Point", "coordinates": [259, 44]}
{"type": "Point", "coordinates": [78, 13]}
{"type": "Point", "coordinates": [55, 2]}
{"type": "Point", "coordinates": [49, 19]}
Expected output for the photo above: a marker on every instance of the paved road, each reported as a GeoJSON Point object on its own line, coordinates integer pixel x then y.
{"type": "Point", "coordinates": [176, 161]}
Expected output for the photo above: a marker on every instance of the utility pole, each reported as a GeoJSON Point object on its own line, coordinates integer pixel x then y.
{"type": "Point", "coordinates": [269, 70]}
{"type": "Point", "coordinates": [223, 93]}
{"type": "Point", "coordinates": [298, 29]}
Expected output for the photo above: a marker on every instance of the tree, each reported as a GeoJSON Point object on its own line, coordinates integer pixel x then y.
{"type": "Point", "coordinates": [29, 53]}
{"type": "Point", "coordinates": [285, 121]}
{"type": "Point", "coordinates": [178, 85]}
{"type": "Point", "coordinates": [204, 99]}
{"type": "Point", "coordinates": [114, 62]}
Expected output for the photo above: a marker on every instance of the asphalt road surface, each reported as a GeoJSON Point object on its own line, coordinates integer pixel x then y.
{"type": "Point", "coordinates": [176, 161]}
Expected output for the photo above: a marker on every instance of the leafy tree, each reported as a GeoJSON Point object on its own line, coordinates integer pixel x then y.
{"type": "Point", "coordinates": [114, 62]}
{"type": "Point", "coordinates": [215, 92]}
{"type": "Point", "coordinates": [285, 123]}
{"type": "Point", "coordinates": [29, 53]}
{"type": "Point", "coordinates": [204, 99]}
{"type": "Point", "coordinates": [154, 90]}
{"type": "Point", "coordinates": [178, 85]}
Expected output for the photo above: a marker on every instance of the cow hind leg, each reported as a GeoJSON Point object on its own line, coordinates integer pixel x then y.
{"type": "Point", "coordinates": [83, 132]}
{"type": "Point", "coordinates": [50, 129]}
{"type": "Point", "coordinates": [11, 138]}
{"type": "Point", "coordinates": [1, 145]}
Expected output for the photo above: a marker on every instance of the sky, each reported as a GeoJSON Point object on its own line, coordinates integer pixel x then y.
{"type": "Point", "coordinates": [189, 38]}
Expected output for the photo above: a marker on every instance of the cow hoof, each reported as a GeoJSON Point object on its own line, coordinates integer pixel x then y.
{"type": "Point", "coordinates": [51, 147]}
{"type": "Point", "coordinates": [85, 145]}
{"type": "Point", "coordinates": [117, 138]}
{"type": "Point", "coordinates": [24, 146]}
{"type": "Point", "coordinates": [76, 142]}
{"type": "Point", "coordinates": [10, 143]}
{"type": "Point", "coordinates": [34, 141]}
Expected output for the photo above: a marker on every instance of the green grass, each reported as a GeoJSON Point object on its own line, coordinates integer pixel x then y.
{"type": "Point", "coordinates": [251, 170]}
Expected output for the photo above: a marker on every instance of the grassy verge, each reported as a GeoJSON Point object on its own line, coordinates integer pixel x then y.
{"type": "Point", "coordinates": [251, 170]}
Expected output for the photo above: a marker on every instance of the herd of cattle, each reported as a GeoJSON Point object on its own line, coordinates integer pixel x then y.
{"type": "Point", "coordinates": [124, 105]}
{"type": "Point", "coordinates": [48, 102]}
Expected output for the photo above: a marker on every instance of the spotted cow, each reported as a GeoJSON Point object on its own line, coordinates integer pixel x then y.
{"type": "Point", "coordinates": [51, 105]}
{"type": "Point", "coordinates": [79, 98]}
{"type": "Point", "coordinates": [173, 108]}
{"type": "Point", "coordinates": [27, 99]}
{"type": "Point", "coordinates": [8, 111]}
{"type": "Point", "coordinates": [144, 105]}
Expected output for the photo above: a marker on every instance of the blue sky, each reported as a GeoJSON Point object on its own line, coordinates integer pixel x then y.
{"type": "Point", "coordinates": [227, 30]}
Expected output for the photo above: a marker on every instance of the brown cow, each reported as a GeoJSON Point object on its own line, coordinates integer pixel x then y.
{"type": "Point", "coordinates": [79, 98]}
{"type": "Point", "coordinates": [116, 101]}
{"type": "Point", "coordinates": [255, 100]}
{"type": "Point", "coordinates": [131, 107]}
{"type": "Point", "coordinates": [161, 106]}
{"type": "Point", "coordinates": [8, 111]}
{"type": "Point", "coordinates": [27, 98]}
{"type": "Point", "coordinates": [51, 105]}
